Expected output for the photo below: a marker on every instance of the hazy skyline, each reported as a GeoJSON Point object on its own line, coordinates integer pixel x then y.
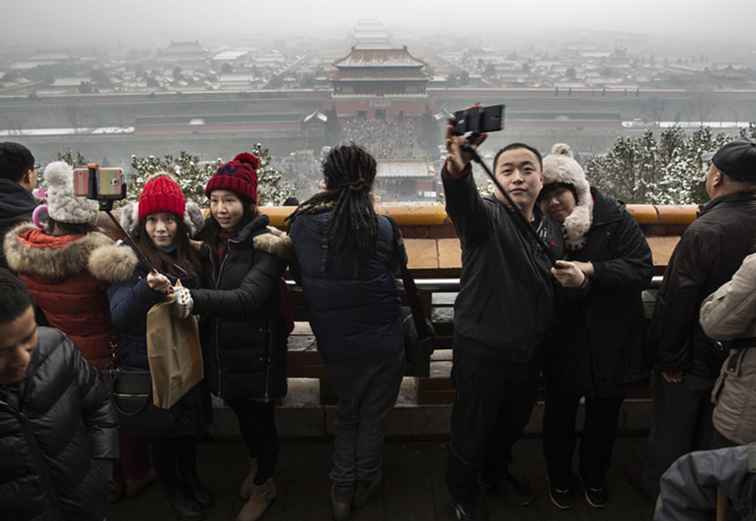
{"type": "Point", "coordinates": [149, 23]}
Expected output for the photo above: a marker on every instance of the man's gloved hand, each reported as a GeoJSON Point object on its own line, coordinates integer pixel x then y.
{"type": "Point", "coordinates": [183, 302]}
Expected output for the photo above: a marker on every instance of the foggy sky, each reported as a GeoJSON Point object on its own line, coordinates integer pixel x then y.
{"type": "Point", "coordinates": [48, 24]}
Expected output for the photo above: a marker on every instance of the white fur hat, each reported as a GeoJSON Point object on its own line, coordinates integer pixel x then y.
{"type": "Point", "coordinates": [560, 167]}
{"type": "Point", "coordinates": [62, 204]}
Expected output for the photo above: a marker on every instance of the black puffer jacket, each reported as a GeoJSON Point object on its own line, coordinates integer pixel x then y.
{"type": "Point", "coordinates": [597, 345]}
{"type": "Point", "coordinates": [708, 255]}
{"type": "Point", "coordinates": [505, 304]}
{"type": "Point", "coordinates": [16, 206]}
{"type": "Point", "coordinates": [56, 431]}
{"type": "Point", "coordinates": [243, 331]}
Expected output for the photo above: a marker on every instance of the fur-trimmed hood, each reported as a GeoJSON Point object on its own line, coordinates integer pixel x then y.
{"type": "Point", "coordinates": [275, 242]}
{"type": "Point", "coordinates": [193, 217]}
{"type": "Point", "coordinates": [113, 263]}
{"type": "Point", "coordinates": [31, 251]}
{"type": "Point", "coordinates": [560, 167]}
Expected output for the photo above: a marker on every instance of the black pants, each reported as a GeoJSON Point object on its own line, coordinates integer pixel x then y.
{"type": "Point", "coordinates": [258, 428]}
{"type": "Point", "coordinates": [682, 423]}
{"type": "Point", "coordinates": [559, 437]}
{"type": "Point", "coordinates": [492, 407]}
{"type": "Point", "coordinates": [175, 461]}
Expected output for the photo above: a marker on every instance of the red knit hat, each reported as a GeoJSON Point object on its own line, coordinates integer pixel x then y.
{"type": "Point", "coordinates": [161, 194]}
{"type": "Point", "coordinates": [238, 175]}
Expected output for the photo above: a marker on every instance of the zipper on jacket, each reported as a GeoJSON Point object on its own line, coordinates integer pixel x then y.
{"type": "Point", "coordinates": [217, 321]}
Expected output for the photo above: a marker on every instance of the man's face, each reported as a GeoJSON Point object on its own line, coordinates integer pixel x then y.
{"type": "Point", "coordinates": [521, 175]}
{"type": "Point", "coordinates": [18, 339]}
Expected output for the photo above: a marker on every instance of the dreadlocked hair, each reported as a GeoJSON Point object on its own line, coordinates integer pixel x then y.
{"type": "Point", "coordinates": [348, 171]}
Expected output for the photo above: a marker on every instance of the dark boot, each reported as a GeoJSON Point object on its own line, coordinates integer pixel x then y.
{"type": "Point", "coordinates": [341, 502]}
{"type": "Point", "coordinates": [184, 505]}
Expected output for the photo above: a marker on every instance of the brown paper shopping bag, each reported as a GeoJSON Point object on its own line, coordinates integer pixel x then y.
{"type": "Point", "coordinates": [174, 354]}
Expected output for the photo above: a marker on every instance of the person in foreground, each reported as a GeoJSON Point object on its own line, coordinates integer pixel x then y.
{"type": "Point", "coordinates": [58, 436]}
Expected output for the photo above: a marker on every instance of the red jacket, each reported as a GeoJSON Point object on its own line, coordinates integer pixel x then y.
{"type": "Point", "coordinates": [57, 272]}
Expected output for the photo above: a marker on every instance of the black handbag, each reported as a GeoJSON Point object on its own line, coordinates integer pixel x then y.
{"type": "Point", "coordinates": [417, 329]}
{"type": "Point", "coordinates": [132, 399]}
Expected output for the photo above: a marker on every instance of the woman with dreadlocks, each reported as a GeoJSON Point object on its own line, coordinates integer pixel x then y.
{"type": "Point", "coordinates": [346, 257]}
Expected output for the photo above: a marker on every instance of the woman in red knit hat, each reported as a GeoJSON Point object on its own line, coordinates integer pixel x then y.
{"type": "Point", "coordinates": [244, 331]}
{"type": "Point", "coordinates": [161, 223]}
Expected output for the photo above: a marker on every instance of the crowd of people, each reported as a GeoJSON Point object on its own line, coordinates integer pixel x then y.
{"type": "Point", "coordinates": [552, 275]}
{"type": "Point", "coordinates": [395, 139]}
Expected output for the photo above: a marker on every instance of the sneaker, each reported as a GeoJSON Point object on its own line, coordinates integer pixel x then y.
{"type": "Point", "coordinates": [260, 499]}
{"type": "Point", "coordinates": [562, 498]}
{"type": "Point", "coordinates": [364, 491]}
{"type": "Point", "coordinates": [518, 489]}
{"type": "Point", "coordinates": [596, 497]}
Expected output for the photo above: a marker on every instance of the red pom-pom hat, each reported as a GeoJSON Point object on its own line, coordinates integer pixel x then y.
{"type": "Point", "coordinates": [238, 175]}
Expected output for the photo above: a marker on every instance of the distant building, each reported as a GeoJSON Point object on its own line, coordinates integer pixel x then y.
{"type": "Point", "coordinates": [185, 54]}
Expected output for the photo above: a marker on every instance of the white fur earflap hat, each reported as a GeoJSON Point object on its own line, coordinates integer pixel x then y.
{"type": "Point", "coordinates": [62, 205]}
{"type": "Point", "coordinates": [560, 167]}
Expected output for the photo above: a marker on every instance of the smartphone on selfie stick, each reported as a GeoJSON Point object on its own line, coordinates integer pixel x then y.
{"type": "Point", "coordinates": [479, 120]}
{"type": "Point", "coordinates": [106, 186]}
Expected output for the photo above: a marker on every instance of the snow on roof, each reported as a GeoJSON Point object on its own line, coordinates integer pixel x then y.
{"type": "Point", "coordinates": [230, 55]}
{"type": "Point", "coordinates": [405, 169]}
{"type": "Point", "coordinates": [42, 132]}
{"type": "Point", "coordinates": [380, 57]}
{"type": "Point", "coordinates": [70, 82]}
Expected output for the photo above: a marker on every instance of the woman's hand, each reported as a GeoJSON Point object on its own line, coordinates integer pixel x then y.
{"type": "Point", "coordinates": [184, 303]}
{"type": "Point", "coordinates": [568, 274]}
{"type": "Point", "coordinates": [457, 160]}
{"type": "Point", "coordinates": [160, 283]}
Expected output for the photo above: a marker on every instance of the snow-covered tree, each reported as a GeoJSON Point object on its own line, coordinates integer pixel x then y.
{"type": "Point", "coordinates": [193, 174]}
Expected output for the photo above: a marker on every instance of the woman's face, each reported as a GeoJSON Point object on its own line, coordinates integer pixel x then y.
{"type": "Point", "coordinates": [226, 208]}
{"type": "Point", "coordinates": [557, 202]}
{"type": "Point", "coordinates": [161, 229]}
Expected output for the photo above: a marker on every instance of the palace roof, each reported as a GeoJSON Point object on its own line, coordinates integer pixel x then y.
{"type": "Point", "coordinates": [379, 57]}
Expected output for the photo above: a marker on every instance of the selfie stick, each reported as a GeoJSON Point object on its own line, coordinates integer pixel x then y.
{"type": "Point", "coordinates": [513, 208]}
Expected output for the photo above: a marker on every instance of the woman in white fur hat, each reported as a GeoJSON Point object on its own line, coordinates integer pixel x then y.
{"type": "Point", "coordinates": [597, 344]}
{"type": "Point", "coordinates": [54, 264]}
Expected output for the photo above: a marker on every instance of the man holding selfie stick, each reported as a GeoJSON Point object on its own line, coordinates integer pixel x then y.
{"type": "Point", "coordinates": [502, 312]}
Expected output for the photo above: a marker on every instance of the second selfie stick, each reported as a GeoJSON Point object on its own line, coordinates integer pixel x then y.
{"type": "Point", "coordinates": [514, 209]}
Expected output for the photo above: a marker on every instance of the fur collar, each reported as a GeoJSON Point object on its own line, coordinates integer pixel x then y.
{"type": "Point", "coordinates": [275, 242]}
{"type": "Point", "coordinates": [33, 252]}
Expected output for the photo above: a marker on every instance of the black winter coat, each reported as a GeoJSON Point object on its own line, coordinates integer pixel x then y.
{"type": "Point", "coordinates": [597, 343]}
{"type": "Point", "coordinates": [354, 305]}
{"type": "Point", "coordinates": [709, 252]}
{"type": "Point", "coordinates": [243, 332]}
{"type": "Point", "coordinates": [56, 429]}
{"type": "Point", "coordinates": [506, 300]}
{"type": "Point", "coordinates": [16, 206]}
